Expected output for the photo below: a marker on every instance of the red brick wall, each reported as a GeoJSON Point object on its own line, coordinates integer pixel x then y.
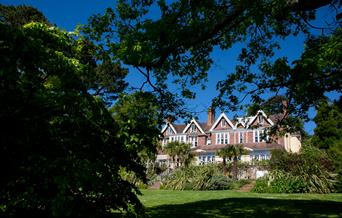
{"type": "Point", "coordinates": [213, 138]}
{"type": "Point", "coordinates": [249, 138]}
{"type": "Point", "coordinates": [201, 140]}
{"type": "Point", "coordinates": [231, 138]}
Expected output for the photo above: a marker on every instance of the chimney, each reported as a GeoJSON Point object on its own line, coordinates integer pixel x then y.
{"type": "Point", "coordinates": [211, 116]}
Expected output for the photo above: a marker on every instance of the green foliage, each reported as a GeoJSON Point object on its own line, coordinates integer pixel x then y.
{"type": "Point", "coordinates": [138, 117]}
{"type": "Point", "coordinates": [329, 125]}
{"type": "Point", "coordinates": [328, 133]}
{"type": "Point", "coordinates": [176, 45]}
{"type": "Point", "coordinates": [320, 61]}
{"type": "Point", "coordinates": [311, 171]}
{"type": "Point", "coordinates": [61, 150]}
{"type": "Point", "coordinates": [179, 151]}
{"type": "Point", "coordinates": [206, 177]}
{"type": "Point", "coordinates": [282, 182]}
{"type": "Point", "coordinates": [231, 152]}
{"type": "Point", "coordinates": [20, 15]}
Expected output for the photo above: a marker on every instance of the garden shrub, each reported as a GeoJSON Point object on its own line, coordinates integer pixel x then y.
{"type": "Point", "coordinates": [207, 177]}
{"type": "Point", "coordinates": [307, 172]}
{"type": "Point", "coordinates": [218, 182]}
{"type": "Point", "coordinates": [281, 182]}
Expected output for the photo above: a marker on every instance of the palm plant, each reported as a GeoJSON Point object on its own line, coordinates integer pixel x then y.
{"type": "Point", "coordinates": [180, 151]}
{"type": "Point", "coordinates": [231, 152]}
{"type": "Point", "coordinates": [225, 153]}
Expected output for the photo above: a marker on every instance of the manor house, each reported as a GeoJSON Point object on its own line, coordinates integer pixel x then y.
{"type": "Point", "coordinates": [206, 138]}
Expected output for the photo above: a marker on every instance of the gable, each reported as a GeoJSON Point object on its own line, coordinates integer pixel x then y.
{"type": "Point", "coordinates": [260, 119]}
{"type": "Point", "coordinates": [222, 122]}
{"type": "Point", "coordinates": [169, 129]}
{"type": "Point", "coordinates": [193, 127]}
{"type": "Point", "coordinates": [239, 125]}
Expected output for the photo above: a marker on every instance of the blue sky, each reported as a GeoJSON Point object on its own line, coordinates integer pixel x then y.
{"type": "Point", "coordinates": [67, 14]}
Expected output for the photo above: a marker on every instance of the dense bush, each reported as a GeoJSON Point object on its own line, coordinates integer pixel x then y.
{"type": "Point", "coordinates": [307, 172]}
{"type": "Point", "coordinates": [207, 177]}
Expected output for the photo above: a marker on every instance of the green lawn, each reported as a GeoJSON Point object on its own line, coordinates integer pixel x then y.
{"type": "Point", "coordinates": [162, 203]}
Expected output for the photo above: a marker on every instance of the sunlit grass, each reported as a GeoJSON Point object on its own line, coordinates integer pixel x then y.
{"type": "Point", "coordinates": [164, 203]}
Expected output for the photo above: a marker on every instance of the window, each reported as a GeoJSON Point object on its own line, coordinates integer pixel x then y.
{"type": "Point", "coordinates": [241, 137]}
{"type": "Point", "coordinates": [223, 123]}
{"type": "Point", "coordinates": [256, 134]}
{"type": "Point", "coordinates": [193, 141]}
{"type": "Point", "coordinates": [193, 128]}
{"type": "Point", "coordinates": [260, 119]}
{"type": "Point", "coordinates": [222, 138]}
{"type": "Point", "coordinates": [218, 138]}
{"type": "Point", "coordinates": [225, 138]}
{"type": "Point", "coordinates": [260, 136]}
{"type": "Point", "coordinates": [207, 158]}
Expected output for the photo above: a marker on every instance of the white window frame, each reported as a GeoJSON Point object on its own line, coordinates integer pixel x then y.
{"type": "Point", "coordinates": [222, 138]}
{"type": "Point", "coordinates": [193, 140]}
{"type": "Point", "coordinates": [256, 136]}
{"type": "Point", "coordinates": [218, 138]}
{"type": "Point", "coordinates": [206, 158]}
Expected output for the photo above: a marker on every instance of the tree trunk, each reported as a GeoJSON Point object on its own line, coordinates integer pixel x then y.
{"type": "Point", "coordinates": [225, 166]}
{"type": "Point", "coordinates": [234, 168]}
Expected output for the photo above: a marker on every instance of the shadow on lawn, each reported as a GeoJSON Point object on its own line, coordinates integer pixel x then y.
{"type": "Point", "coordinates": [249, 207]}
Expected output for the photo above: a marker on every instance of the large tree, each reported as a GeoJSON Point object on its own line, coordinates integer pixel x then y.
{"type": "Point", "coordinates": [328, 133]}
{"type": "Point", "coordinates": [177, 40]}
{"type": "Point", "coordinates": [61, 150]}
{"type": "Point", "coordinates": [20, 15]}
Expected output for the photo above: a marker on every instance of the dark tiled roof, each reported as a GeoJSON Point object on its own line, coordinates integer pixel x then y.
{"type": "Point", "coordinates": [204, 126]}
{"type": "Point", "coordinates": [263, 146]}
{"type": "Point", "coordinates": [210, 147]}
{"type": "Point", "coordinates": [179, 127]}
{"type": "Point", "coordinates": [254, 146]}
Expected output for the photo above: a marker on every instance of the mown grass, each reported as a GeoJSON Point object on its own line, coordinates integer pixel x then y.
{"type": "Point", "coordinates": [164, 203]}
